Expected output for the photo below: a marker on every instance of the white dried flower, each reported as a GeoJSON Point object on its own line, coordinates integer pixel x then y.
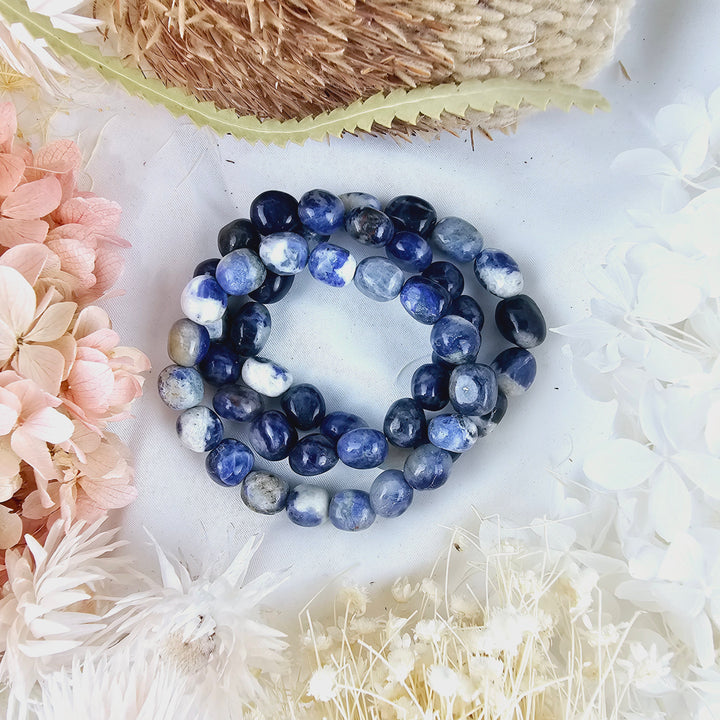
{"type": "Point", "coordinates": [323, 684]}
{"type": "Point", "coordinates": [443, 680]}
{"type": "Point", "coordinates": [402, 591]}
{"type": "Point", "coordinates": [401, 662]}
{"type": "Point", "coordinates": [648, 670]}
{"type": "Point", "coordinates": [431, 630]}
{"type": "Point", "coordinates": [359, 626]}
{"type": "Point", "coordinates": [505, 631]}
{"type": "Point", "coordinates": [353, 598]}
{"type": "Point", "coordinates": [430, 589]}
{"type": "Point", "coordinates": [465, 606]}
{"type": "Point", "coordinates": [486, 670]}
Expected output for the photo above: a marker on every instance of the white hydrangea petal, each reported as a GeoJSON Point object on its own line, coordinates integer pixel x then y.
{"type": "Point", "coordinates": [666, 298]}
{"type": "Point", "coordinates": [683, 561]}
{"type": "Point", "coordinates": [644, 161]}
{"type": "Point", "coordinates": [620, 464]}
{"type": "Point", "coordinates": [703, 470]}
{"type": "Point", "coordinates": [712, 429]}
{"type": "Point", "coordinates": [670, 503]}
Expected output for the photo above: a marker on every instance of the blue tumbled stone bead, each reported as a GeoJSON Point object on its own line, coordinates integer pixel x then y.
{"type": "Point", "coordinates": [180, 387]}
{"type": "Point", "coordinates": [424, 299]}
{"type": "Point", "coordinates": [379, 279]}
{"type": "Point", "coordinates": [520, 321]}
{"type": "Point", "coordinates": [473, 389]}
{"type": "Point", "coordinates": [199, 429]}
{"type": "Point", "coordinates": [429, 386]}
{"type": "Point", "coordinates": [203, 300]}
{"type": "Point", "coordinates": [338, 423]}
{"type": "Point", "coordinates": [455, 339]}
{"type": "Point", "coordinates": [354, 200]}
{"type": "Point", "coordinates": [220, 365]}
{"type": "Point", "coordinates": [487, 423]}
{"type": "Point", "coordinates": [412, 214]}
{"type": "Point", "coordinates": [457, 238]}
{"type": "Point", "coordinates": [304, 406]}
{"type": "Point", "coordinates": [264, 492]}
{"type": "Point", "coordinates": [274, 211]}
{"type": "Point", "coordinates": [240, 272]}
{"type": "Point", "coordinates": [238, 234]}
{"type": "Point", "coordinates": [238, 403]}
{"type": "Point", "coordinates": [362, 448]}
{"type": "Point", "coordinates": [250, 329]}
{"type": "Point", "coordinates": [265, 376]}
{"type": "Point", "coordinates": [206, 267]}
{"type": "Point", "coordinates": [390, 495]}
{"type": "Point", "coordinates": [229, 462]}
{"type": "Point", "coordinates": [284, 253]}
{"type": "Point", "coordinates": [409, 251]}
{"type": "Point", "coordinates": [272, 436]}
{"type": "Point", "coordinates": [369, 226]}
{"type": "Point", "coordinates": [187, 342]}
{"type": "Point", "coordinates": [405, 425]}
{"type": "Point", "coordinates": [307, 505]}
{"type": "Point", "coordinates": [454, 433]}
{"type": "Point", "coordinates": [427, 467]}
{"type": "Point", "coordinates": [515, 369]}
{"type": "Point", "coordinates": [313, 454]}
{"type": "Point", "coordinates": [498, 273]}
{"type": "Point", "coordinates": [321, 211]}
{"type": "Point", "coordinates": [468, 308]}
{"type": "Point", "coordinates": [273, 289]}
{"type": "Point", "coordinates": [218, 329]}
{"type": "Point", "coordinates": [350, 510]}
{"type": "Point", "coordinates": [447, 275]}
{"type": "Point", "coordinates": [437, 360]}
{"type": "Point", "coordinates": [332, 265]}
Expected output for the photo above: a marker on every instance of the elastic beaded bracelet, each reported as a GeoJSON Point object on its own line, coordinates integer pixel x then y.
{"type": "Point", "coordinates": [261, 256]}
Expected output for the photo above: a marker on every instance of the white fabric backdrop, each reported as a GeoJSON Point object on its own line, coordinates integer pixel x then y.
{"type": "Point", "coordinates": [545, 195]}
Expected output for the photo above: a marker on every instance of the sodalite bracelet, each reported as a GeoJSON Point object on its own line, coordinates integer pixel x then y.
{"type": "Point", "coordinates": [218, 343]}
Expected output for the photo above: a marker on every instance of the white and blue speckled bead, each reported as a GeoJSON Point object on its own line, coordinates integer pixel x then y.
{"type": "Point", "coordinates": [284, 253]}
{"type": "Point", "coordinates": [498, 273]}
{"type": "Point", "coordinates": [332, 265]}
{"type": "Point", "coordinates": [264, 492]}
{"type": "Point", "coordinates": [266, 377]}
{"type": "Point", "coordinates": [350, 510]}
{"type": "Point", "coordinates": [180, 387]}
{"type": "Point", "coordinates": [307, 505]}
{"type": "Point", "coordinates": [199, 429]}
{"type": "Point", "coordinates": [203, 300]}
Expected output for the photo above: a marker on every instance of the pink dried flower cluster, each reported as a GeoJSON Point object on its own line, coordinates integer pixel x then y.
{"type": "Point", "coordinates": [63, 374]}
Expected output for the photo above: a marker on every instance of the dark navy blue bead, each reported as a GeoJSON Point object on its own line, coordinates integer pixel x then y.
{"type": "Point", "coordinates": [409, 252]}
{"type": "Point", "coordinates": [229, 462]}
{"type": "Point", "coordinates": [313, 455]}
{"type": "Point", "coordinates": [274, 211]}
{"type": "Point", "coordinates": [220, 366]}
{"type": "Point", "coordinates": [498, 273]}
{"type": "Point", "coordinates": [338, 423]}
{"type": "Point", "coordinates": [250, 329]}
{"type": "Point", "coordinates": [206, 267]}
{"type": "Point", "coordinates": [180, 387]}
{"type": "Point", "coordinates": [458, 239]}
{"type": "Point", "coordinates": [273, 289]}
{"type": "Point", "coordinates": [447, 275]}
{"type": "Point", "coordinates": [427, 467]}
{"type": "Point", "coordinates": [187, 342]}
{"type": "Point", "coordinates": [405, 424]}
{"type": "Point", "coordinates": [455, 339]}
{"type": "Point", "coordinates": [304, 406]}
{"type": "Point", "coordinates": [424, 299]}
{"type": "Point", "coordinates": [362, 448]}
{"type": "Point", "coordinates": [350, 510]}
{"type": "Point", "coordinates": [437, 360]}
{"type": "Point", "coordinates": [468, 308]}
{"type": "Point", "coordinates": [520, 321]}
{"type": "Point", "coordinates": [378, 278]}
{"type": "Point", "coordinates": [199, 429]}
{"type": "Point", "coordinates": [390, 495]}
{"type": "Point", "coordinates": [272, 436]}
{"type": "Point", "coordinates": [321, 211]}
{"type": "Point", "coordinates": [473, 389]}
{"type": "Point", "coordinates": [412, 214]}
{"type": "Point", "coordinates": [240, 272]}
{"type": "Point", "coordinates": [238, 234]}
{"type": "Point", "coordinates": [429, 386]}
{"type": "Point", "coordinates": [307, 505]}
{"type": "Point", "coordinates": [332, 265]}
{"type": "Point", "coordinates": [454, 433]}
{"type": "Point", "coordinates": [487, 423]}
{"type": "Point", "coordinates": [237, 402]}
{"type": "Point", "coordinates": [369, 226]}
{"type": "Point", "coordinates": [515, 369]}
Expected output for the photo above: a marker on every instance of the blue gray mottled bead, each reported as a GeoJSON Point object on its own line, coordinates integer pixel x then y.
{"type": "Point", "coordinates": [429, 386]}
{"type": "Point", "coordinates": [362, 448]}
{"type": "Point", "coordinates": [520, 321]}
{"type": "Point", "coordinates": [187, 342]}
{"type": "Point", "coordinates": [447, 275]}
{"type": "Point", "coordinates": [332, 265]}
{"type": "Point", "coordinates": [498, 273]}
{"type": "Point", "coordinates": [473, 389]}
{"type": "Point", "coordinates": [487, 423]}
{"type": "Point", "coordinates": [199, 429]}
{"type": "Point", "coordinates": [250, 329]}
{"type": "Point", "coordinates": [409, 251]}
{"type": "Point", "coordinates": [238, 403]}
{"type": "Point", "coordinates": [354, 200]}
{"type": "Point", "coordinates": [350, 510]}
{"type": "Point", "coordinates": [203, 300]}
{"type": "Point", "coordinates": [424, 299]}
{"type": "Point", "coordinates": [405, 424]}
{"type": "Point", "coordinates": [264, 492]}
{"type": "Point", "coordinates": [229, 462]}
{"type": "Point", "coordinates": [369, 226]}
{"type": "Point", "coordinates": [272, 436]}
{"type": "Point", "coordinates": [457, 238]}
{"type": "Point", "coordinates": [284, 253]}
{"type": "Point", "coordinates": [265, 376]}
{"type": "Point", "coordinates": [180, 387]}
{"type": "Point", "coordinates": [390, 495]}
{"type": "Point", "coordinates": [455, 339]}
{"type": "Point", "coordinates": [454, 433]}
{"type": "Point", "coordinates": [240, 272]}
{"type": "Point", "coordinates": [427, 467]}
{"type": "Point", "coordinates": [337, 423]}
{"type": "Point", "coordinates": [515, 369]}
{"type": "Point", "coordinates": [379, 279]}
{"type": "Point", "coordinates": [321, 211]}
{"type": "Point", "coordinates": [307, 505]}
{"type": "Point", "coordinates": [313, 454]}
{"type": "Point", "coordinates": [468, 308]}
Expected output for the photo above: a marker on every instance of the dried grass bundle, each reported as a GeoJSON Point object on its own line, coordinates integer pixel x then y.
{"type": "Point", "coordinates": [293, 58]}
